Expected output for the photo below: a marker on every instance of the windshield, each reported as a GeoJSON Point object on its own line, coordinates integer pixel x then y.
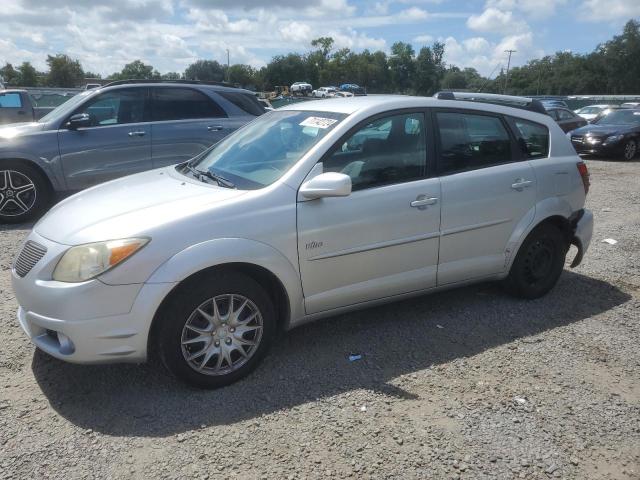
{"type": "Point", "coordinates": [67, 107]}
{"type": "Point", "coordinates": [261, 152]}
{"type": "Point", "coordinates": [621, 117]}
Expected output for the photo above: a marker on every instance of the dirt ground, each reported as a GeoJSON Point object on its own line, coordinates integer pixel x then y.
{"type": "Point", "coordinates": [464, 384]}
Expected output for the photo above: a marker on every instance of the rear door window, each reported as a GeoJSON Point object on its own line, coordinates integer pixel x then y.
{"type": "Point", "coordinates": [565, 115]}
{"type": "Point", "coordinates": [10, 100]}
{"type": "Point", "coordinates": [469, 141]}
{"type": "Point", "coordinates": [182, 104]}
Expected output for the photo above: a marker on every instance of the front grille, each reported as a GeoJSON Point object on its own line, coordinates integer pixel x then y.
{"type": "Point", "coordinates": [31, 254]}
{"type": "Point", "coordinates": [577, 138]}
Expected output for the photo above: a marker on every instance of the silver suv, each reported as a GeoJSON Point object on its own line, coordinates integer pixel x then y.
{"type": "Point", "coordinates": [105, 133]}
{"type": "Point", "coordinates": [308, 211]}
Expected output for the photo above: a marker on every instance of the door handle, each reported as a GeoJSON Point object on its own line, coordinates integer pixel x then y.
{"type": "Point", "coordinates": [214, 128]}
{"type": "Point", "coordinates": [520, 184]}
{"type": "Point", "coordinates": [137, 133]}
{"type": "Point", "coordinates": [422, 202]}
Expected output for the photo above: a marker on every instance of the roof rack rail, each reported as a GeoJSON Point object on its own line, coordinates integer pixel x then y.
{"type": "Point", "coordinates": [187, 82]}
{"type": "Point", "coordinates": [523, 103]}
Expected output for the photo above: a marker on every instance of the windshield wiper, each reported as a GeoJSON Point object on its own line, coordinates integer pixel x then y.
{"type": "Point", "coordinates": [220, 180]}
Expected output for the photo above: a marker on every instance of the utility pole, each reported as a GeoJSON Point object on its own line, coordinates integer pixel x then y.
{"type": "Point", "coordinates": [506, 78]}
{"type": "Point", "coordinates": [228, 76]}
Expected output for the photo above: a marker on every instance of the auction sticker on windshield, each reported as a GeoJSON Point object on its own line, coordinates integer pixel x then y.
{"type": "Point", "coordinates": [319, 122]}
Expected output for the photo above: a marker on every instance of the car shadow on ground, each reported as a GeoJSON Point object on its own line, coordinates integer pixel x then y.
{"type": "Point", "coordinates": [311, 362]}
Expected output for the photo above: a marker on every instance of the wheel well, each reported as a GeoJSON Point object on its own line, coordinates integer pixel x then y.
{"type": "Point", "coordinates": [33, 165]}
{"type": "Point", "coordinates": [270, 282]}
{"type": "Point", "coordinates": [561, 223]}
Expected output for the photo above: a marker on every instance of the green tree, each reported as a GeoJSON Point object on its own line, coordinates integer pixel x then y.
{"type": "Point", "coordinates": [402, 65]}
{"type": "Point", "coordinates": [9, 74]}
{"type": "Point", "coordinates": [64, 71]}
{"type": "Point", "coordinates": [429, 69]}
{"type": "Point", "coordinates": [205, 70]}
{"type": "Point", "coordinates": [171, 76]}
{"type": "Point", "coordinates": [242, 75]}
{"type": "Point", "coordinates": [27, 75]}
{"type": "Point", "coordinates": [136, 70]}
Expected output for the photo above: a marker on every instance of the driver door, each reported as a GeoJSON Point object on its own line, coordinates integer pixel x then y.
{"type": "Point", "coordinates": [381, 240]}
{"type": "Point", "coordinates": [117, 143]}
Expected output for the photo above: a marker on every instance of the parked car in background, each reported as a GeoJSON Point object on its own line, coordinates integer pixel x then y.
{"type": "Point", "coordinates": [201, 265]}
{"type": "Point", "coordinates": [554, 103]}
{"type": "Point", "coordinates": [18, 106]}
{"type": "Point", "coordinates": [616, 134]}
{"type": "Point", "coordinates": [630, 105]}
{"type": "Point", "coordinates": [265, 103]}
{"type": "Point", "coordinates": [340, 94]}
{"type": "Point", "coordinates": [105, 133]}
{"type": "Point", "coordinates": [301, 88]}
{"type": "Point", "coordinates": [353, 88]}
{"type": "Point", "coordinates": [90, 86]}
{"type": "Point", "coordinates": [324, 92]}
{"type": "Point", "coordinates": [566, 118]}
{"type": "Point", "coordinates": [590, 112]}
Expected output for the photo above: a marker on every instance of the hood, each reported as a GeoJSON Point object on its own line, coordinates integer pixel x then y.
{"type": "Point", "coordinates": [602, 130]}
{"type": "Point", "coordinates": [14, 130]}
{"type": "Point", "coordinates": [130, 206]}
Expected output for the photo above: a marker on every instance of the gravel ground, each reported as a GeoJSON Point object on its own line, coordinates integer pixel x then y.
{"type": "Point", "coordinates": [465, 384]}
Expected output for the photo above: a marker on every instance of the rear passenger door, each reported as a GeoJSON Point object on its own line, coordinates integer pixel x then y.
{"type": "Point", "coordinates": [488, 191]}
{"type": "Point", "coordinates": [185, 122]}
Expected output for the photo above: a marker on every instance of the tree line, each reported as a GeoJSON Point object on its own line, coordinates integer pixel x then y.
{"type": "Point", "coordinates": [612, 68]}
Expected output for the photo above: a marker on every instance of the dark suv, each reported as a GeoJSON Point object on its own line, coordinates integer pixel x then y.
{"type": "Point", "coordinates": [105, 133]}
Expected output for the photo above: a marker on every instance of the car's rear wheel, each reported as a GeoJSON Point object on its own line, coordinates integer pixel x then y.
{"type": "Point", "coordinates": [24, 192]}
{"type": "Point", "coordinates": [216, 329]}
{"type": "Point", "coordinates": [630, 149]}
{"type": "Point", "coordinates": [538, 264]}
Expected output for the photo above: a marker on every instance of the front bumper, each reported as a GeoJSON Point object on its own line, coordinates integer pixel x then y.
{"type": "Point", "coordinates": [583, 231]}
{"type": "Point", "coordinates": [88, 322]}
{"type": "Point", "coordinates": [607, 150]}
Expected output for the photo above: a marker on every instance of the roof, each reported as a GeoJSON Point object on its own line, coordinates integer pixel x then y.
{"type": "Point", "coordinates": [378, 103]}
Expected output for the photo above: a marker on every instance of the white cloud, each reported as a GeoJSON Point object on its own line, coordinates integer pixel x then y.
{"type": "Point", "coordinates": [532, 8]}
{"type": "Point", "coordinates": [423, 39]}
{"type": "Point", "coordinates": [296, 32]}
{"type": "Point", "coordinates": [599, 10]}
{"type": "Point", "coordinates": [494, 20]}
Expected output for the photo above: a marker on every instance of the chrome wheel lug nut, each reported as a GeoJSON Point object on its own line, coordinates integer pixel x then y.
{"type": "Point", "coordinates": [232, 329]}
{"type": "Point", "coordinates": [217, 344]}
{"type": "Point", "coordinates": [228, 341]}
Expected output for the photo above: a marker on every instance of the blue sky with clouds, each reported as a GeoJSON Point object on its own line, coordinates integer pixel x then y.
{"type": "Point", "coordinates": [170, 34]}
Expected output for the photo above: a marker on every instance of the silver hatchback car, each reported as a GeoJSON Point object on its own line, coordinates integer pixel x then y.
{"type": "Point", "coordinates": [308, 211]}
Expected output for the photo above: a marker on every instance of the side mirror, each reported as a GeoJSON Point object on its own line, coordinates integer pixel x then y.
{"type": "Point", "coordinates": [330, 184]}
{"type": "Point", "coordinates": [79, 120]}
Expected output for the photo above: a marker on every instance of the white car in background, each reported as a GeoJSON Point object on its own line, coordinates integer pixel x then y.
{"type": "Point", "coordinates": [341, 94]}
{"type": "Point", "coordinates": [301, 88]}
{"type": "Point", "coordinates": [290, 219]}
{"type": "Point", "coordinates": [592, 111]}
{"type": "Point", "coordinates": [324, 92]}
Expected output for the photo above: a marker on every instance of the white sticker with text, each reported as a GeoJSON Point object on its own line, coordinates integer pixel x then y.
{"type": "Point", "coordinates": [319, 122]}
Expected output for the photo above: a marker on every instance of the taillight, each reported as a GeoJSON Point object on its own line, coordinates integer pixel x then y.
{"type": "Point", "coordinates": [584, 173]}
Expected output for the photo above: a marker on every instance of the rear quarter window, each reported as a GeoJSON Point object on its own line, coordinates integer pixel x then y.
{"type": "Point", "coordinates": [532, 138]}
{"type": "Point", "coordinates": [244, 101]}
{"type": "Point", "coordinates": [10, 100]}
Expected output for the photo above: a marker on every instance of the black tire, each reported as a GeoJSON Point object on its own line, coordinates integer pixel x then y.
{"type": "Point", "coordinates": [630, 150]}
{"type": "Point", "coordinates": [182, 306]}
{"type": "Point", "coordinates": [538, 264]}
{"type": "Point", "coordinates": [18, 202]}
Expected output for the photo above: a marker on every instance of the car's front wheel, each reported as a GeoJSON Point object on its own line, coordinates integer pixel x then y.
{"type": "Point", "coordinates": [24, 192]}
{"type": "Point", "coordinates": [216, 329]}
{"type": "Point", "coordinates": [539, 262]}
{"type": "Point", "coordinates": [630, 149]}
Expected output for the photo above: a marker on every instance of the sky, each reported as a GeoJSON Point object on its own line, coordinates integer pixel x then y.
{"type": "Point", "coordinates": [171, 34]}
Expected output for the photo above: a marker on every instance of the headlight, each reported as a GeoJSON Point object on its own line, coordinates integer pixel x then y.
{"type": "Point", "coordinates": [613, 139]}
{"type": "Point", "coordinates": [92, 259]}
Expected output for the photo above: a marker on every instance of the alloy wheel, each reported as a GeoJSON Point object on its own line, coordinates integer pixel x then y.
{"type": "Point", "coordinates": [221, 334]}
{"type": "Point", "coordinates": [17, 193]}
